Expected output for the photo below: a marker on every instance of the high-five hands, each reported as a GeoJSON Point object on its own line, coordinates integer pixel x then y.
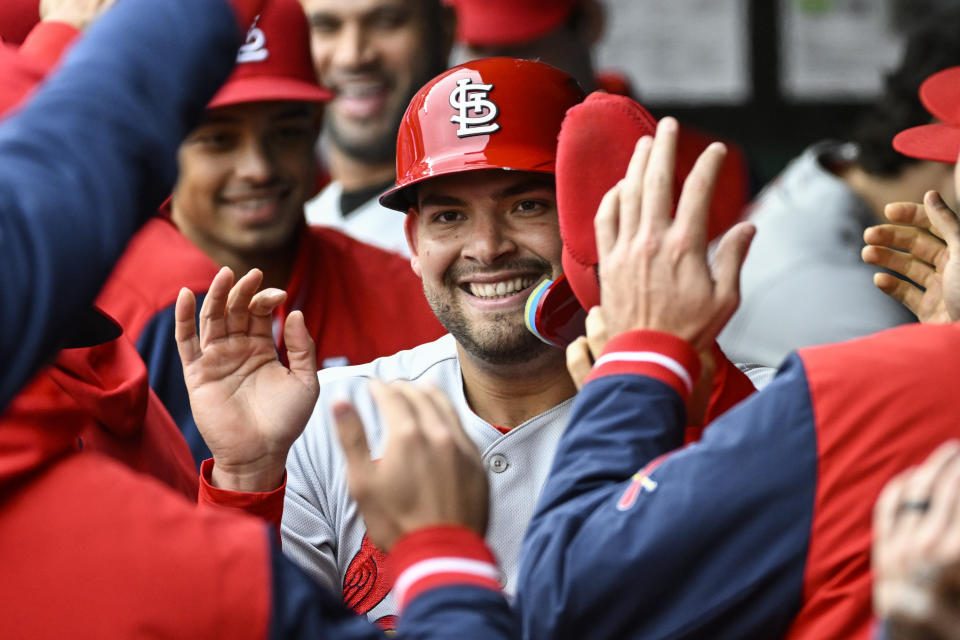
{"type": "Point", "coordinates": [924, 246]}
{"type": "Point", "coordinates": [430, 473]}
{"type": "Point", "coordinates": [654, 272]}
{"type": "Point", "coordinates": [248, 407]}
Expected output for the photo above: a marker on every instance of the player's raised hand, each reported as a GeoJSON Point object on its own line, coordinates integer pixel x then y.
{"type": "Point", "coordinates": [78, 13]}
{"type": "Point", "coordinates": [249, 408]}
{"type": "Point", "coordinates": [654, 272]}
{"type": "Point", "coordinates": [430, 473]}
{"type": "Point", "coordinates": [924, 246]}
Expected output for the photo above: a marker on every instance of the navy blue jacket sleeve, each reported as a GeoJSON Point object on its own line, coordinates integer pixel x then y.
{"type": "Point", "coordinates": [91, 155]}
{"type": "Point", "coordinates": [633, 540]}
{"type": "Point", "coordinates": [302, 609]}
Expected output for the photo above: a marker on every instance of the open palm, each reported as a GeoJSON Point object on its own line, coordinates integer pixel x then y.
{"type": "Point", "coordinates": [248, 406]}
{"type": "Point", "coordinates": [923, 246]}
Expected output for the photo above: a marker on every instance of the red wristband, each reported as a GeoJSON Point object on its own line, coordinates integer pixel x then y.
{"type": "Point", "coordinates": [650, 353]}
{"type": "Point", "coordinates": [441, 556]}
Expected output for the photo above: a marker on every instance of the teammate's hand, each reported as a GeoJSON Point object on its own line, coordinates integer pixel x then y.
{"type": "Point", "coordinates": [916, 549]}
{"type": "Point", "coordinates": [430, 473]}
{"type": "Point", "coordinates": [78, 13]}
{"type": "Point", "coordinates": [923, 246]}
{"type": "Point", "coordinates": [653, 269]}
{"type": "Point", "coordinates": [249, 408]}
{"type": "Point", "coordinates": [584, 351]}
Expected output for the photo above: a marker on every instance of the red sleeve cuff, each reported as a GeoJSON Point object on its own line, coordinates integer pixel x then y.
{"type": "Point", "coordinates": [441, 556]}
{"type": "Point", "coordinates": [267, 505]}
{"type": "Point", "coordinates": [658, 355]}
{"type": "Point", "coordinates": [47, 42]}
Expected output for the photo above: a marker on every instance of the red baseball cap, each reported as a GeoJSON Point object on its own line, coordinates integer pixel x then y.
{"type": "Point", "coordinates": [17, 18]}
{"type": "Point", "coordinates": [505, 22]}
{"type": "Point", "coordinates": [940, 94]}
{"type": "Point", "coordinates": [596, 143]}
{"type": "Point", "coordinates": [274, 63]}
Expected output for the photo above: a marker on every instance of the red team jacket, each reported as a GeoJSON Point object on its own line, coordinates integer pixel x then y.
{"type": "Point", "coordinates": [359, 303]}
{"type": "Point", "coordinates": [123, 417]}
{"type": "Point", "coordinates": [91, 549]}
{"type": "Point", "coordinates": [763, 527]}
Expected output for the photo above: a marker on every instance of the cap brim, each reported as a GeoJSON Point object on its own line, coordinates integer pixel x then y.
{"type": "Point", "coordinates": [480, 24]}
{"type": "Point", "coordinates": [268, 89]}
{"type": "Point", "coordinates": [938, 142]}
{"type": "Point", "coordinates": [940, 94]}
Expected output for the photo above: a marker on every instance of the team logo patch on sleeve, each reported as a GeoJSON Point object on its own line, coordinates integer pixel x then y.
{"type": "Point", "coordinates": [640, 482]}
{"type": "Point", "coordinates": [476, 113]}
{"type": "Point", "coordinates": [637, 484]}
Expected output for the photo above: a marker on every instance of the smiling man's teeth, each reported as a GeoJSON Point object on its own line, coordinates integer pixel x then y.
{"type": "Point", "coordinates": [360, 90]}
{"type": "Point", "coordinates": [500, 289]}
{"type": "Point", "coordinates": [257, 203]}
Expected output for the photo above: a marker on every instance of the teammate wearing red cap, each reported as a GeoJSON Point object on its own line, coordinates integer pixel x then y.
{"type": "Point", "coordinates": [804, 282]}
{"type": "Point", "coordinates": [475, 160]}
{"type": "Point", "coordinates": [563, 33]}
{"type": "Point", "coordinates": [916, 246]}
{"type": "Point", "coordinates": [245, 173]}
{"type": "Point", "coordinates": [374, 55]}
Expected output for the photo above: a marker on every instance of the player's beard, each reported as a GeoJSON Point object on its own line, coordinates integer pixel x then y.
{"type": "Point", "coordinates": [503, 338]}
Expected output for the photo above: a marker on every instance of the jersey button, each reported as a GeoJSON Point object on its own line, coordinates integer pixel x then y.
{"type": "Point", "coordinates": [498, 463]}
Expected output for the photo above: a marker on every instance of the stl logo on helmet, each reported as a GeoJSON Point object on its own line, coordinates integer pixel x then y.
{"type": "Point", "coordinates": [254, 48]}
{"type": "Point", "coordinates": [476, 112]}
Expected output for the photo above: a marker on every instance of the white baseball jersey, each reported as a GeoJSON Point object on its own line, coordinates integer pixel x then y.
{"type": "Point", "coordinates": [370, 223]}
{"type": "Point", "coordinates": [322, 530]}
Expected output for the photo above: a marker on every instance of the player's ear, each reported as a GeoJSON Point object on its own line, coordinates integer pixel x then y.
{"type": "Point", "coordinates": [410, 224]}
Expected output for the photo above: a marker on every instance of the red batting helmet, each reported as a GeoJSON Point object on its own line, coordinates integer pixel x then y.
{"type": "Point", "coordinates": [595, 148]}
{"type": "Point", "coordinates": [593, 151]}
{"type": "Point", "coordinates": [496, 113]}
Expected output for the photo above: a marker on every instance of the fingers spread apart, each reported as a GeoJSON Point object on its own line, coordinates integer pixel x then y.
{"type": "Point", "coordinates": [914, 241]}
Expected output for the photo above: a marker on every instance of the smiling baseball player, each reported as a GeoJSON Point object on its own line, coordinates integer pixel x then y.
{"type": "Point", "coordinates": [476, 154]}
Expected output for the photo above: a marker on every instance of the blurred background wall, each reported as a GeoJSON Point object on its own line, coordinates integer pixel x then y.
{"type": "Point", "coordinates": [774, 75]}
